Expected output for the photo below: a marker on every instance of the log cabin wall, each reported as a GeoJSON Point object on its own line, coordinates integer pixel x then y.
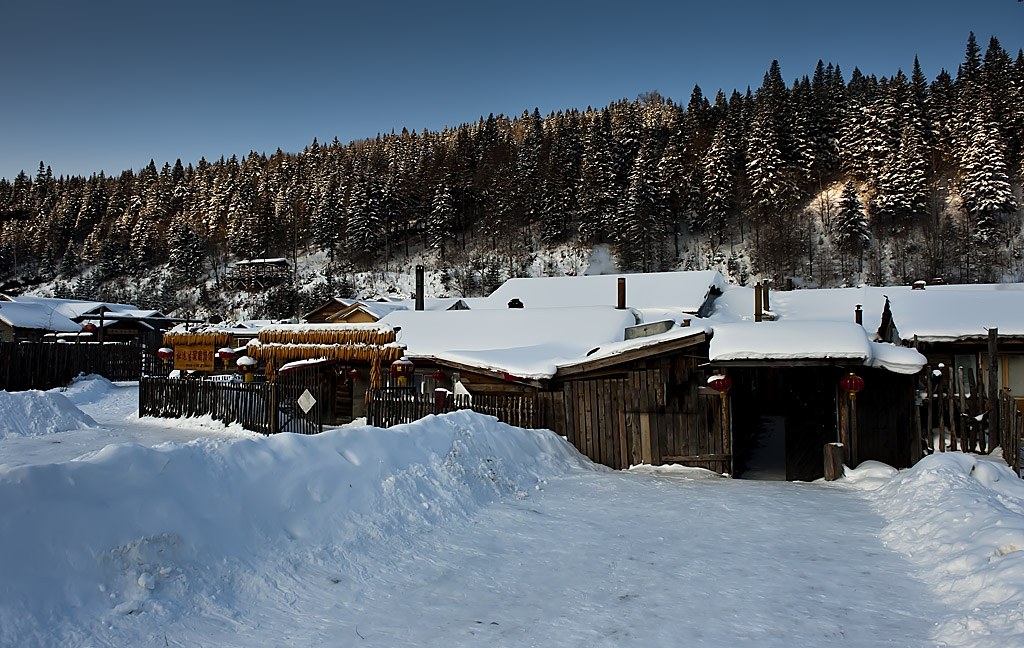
{"type": "Point", "coordinates": [655, 411]}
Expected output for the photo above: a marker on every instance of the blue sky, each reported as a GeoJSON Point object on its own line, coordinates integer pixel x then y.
{"type": "Point", "coordinates": [108, 85]}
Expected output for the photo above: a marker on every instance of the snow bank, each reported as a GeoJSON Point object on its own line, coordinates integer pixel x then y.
{"type": "Point", "coordinates": [961, 520]}
{"type": "Point", "coordinates": [34, 413]}
{"type": "Point", "coordinates": [172, 530]}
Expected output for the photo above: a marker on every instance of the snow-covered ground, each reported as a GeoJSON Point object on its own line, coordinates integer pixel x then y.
{"type": "Point", "coordinates": [458, 530]}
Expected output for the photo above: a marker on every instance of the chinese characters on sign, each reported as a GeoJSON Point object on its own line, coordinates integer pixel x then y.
{"type": "Point", "coordinates": [193, 358]}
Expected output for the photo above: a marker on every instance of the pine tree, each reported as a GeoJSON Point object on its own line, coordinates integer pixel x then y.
{"type": "Point", "coordinates": [718, 187]}
{"type": "Point", "coordinates": [850, 233]}
{"type": "Point", "coordinates": [641, 223]}
{"type": "Point", "coordinates": [441, 222]}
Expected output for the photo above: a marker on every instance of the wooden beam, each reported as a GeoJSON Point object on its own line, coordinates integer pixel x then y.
{"type": "Point", "coordinates": [632, 355]}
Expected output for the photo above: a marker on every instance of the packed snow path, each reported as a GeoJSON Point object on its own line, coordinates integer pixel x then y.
{"type": "Point", "coordinates": [613, 559]}
{"type": "Point", "coordinates": [461, 531]}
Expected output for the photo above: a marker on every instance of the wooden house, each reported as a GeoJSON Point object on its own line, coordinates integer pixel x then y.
{"type": "Point", "coordinates": [325, 311]}
{"type": "Point", "coordinates": [951, 325]}
{"type": "Point", "coordinates": [20, 321]}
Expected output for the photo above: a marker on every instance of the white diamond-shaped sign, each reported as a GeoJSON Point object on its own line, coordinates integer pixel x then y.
{"type": "Point", "coordinates": [306, 401]}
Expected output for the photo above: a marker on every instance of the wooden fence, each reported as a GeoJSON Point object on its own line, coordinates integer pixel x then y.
{"type": "Point", "coordinates": [46, 365]}
{"type": "Point", "coordinates": [389, 407]}
{"type": "Point", "coordinates": [955, 416]}
{"type": "Point", "coordinates": [262, 407]}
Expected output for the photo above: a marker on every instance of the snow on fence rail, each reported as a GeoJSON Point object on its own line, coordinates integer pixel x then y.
{"type": "Point", "coordinates": [252, 405]}
{"type": "Point", "coordinates": [389, 407]}
{"type": "Point", "coordinates": [46, 365]}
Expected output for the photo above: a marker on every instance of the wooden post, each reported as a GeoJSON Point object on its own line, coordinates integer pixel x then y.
{"type": "Point", "coordinates": [833, 461]}
{"type": "Point", "coordinates": [952, 409]}
{"type": "Point", "coordinates": [621, 294]}
{"type": "Point", "coordinates": [929, 396]}
{"type": "Point", "coordinates": [726, 432]}
{"type": "Point", "coordinates": [853, 430]}
{"type": "Point", "coordinates": [915, 447]}
{"type": "Point", "coordinates": [757, 302]}
{"type": "Point", "coordinates": [993, 387]}
{"type": "Point", "coordinates": [844, 429]}
{"type": "Point", "coordinates": [962, 427]}
{"type": "Point", "coordinates": [971, 423]}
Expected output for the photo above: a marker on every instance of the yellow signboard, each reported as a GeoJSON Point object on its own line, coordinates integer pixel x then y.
{"type": "Point", "coordinates": [193, 357]}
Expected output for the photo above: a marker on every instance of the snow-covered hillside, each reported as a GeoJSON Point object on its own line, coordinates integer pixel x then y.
{"type": "Point", "coordinates": [459, 530]}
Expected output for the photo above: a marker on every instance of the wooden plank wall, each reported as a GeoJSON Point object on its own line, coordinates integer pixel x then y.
{"type": "Point", "coordinates": [46, 365]}
{"type": "Point", "coordinates": [654, 411]}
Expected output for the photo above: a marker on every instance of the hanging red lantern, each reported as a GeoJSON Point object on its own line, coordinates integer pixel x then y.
{"type": "Point", "coordinates": [165, 353]}
{"type": "Point", "coordinates": [438, 375]}
{"type": "Point", "coordinates": [353, 373]}
{"type": "Point", "coordinates": [402, 371]}
{"type": "Point", "coordinates": [852, 383]}
{"type": "Point", "coordinates": [88, 327]}
{"type": "Point", "coordinates": [720, 383]}
{"type": "Point", "coordinates": [226, 353]}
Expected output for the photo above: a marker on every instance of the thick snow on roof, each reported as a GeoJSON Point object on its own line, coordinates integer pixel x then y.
{"type": "Point", "coordinates": [679, 290]}
{"type": "Point", "coordinates": [949, 313]}
{"type": "Point", "coordinates": [936, 314]}
{"type": "Point", "coordinates": [831, 304]}
{"type": "Point", "coordinates": [36, 316]}
{"type": "Point", "coordinates": [809, 340]}
{"type": "Point", "coordinates": [525, 342]}
{"type": "Point", "coordinates": [72, 308]}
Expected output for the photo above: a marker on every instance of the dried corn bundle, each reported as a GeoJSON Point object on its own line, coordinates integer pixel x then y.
{"type": "Point", "coordinates": [328, 335]}
{"type": "Point", "coordinates": [279, 354]}
{"type": "Point", "coordinates": [199, 338]}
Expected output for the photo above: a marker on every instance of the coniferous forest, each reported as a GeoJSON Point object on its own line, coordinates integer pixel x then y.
{"type": "Point", "coordinates": [835, 179]}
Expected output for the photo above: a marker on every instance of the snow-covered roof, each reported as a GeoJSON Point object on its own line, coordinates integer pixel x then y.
{"type": "Point", "coordinates": [72, 308]}
{"type": "Point", "coordinates": [524, 342]}
{"type": "Point", "coordinates": [951, 313]}
{"type": "Point", "coordinates": [36, 316]}
{"type": "Point", "coordinates": [843, 342]}
{"type": "Point", "coordinates": [683, 291]}
{"type": "Point", "coordinates": [274, 261]}
{"type": "Point", "coordinates": [937, 314]}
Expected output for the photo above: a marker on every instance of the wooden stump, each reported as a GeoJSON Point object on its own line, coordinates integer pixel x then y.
{"type": "Point", "coordinates": [833, 461]}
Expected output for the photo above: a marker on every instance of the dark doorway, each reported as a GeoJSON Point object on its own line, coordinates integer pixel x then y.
{"type": "Point", "coordinates": [782, 417]}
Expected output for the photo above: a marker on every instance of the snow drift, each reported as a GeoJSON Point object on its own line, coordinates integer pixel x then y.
{"type": "Point", "coordinates": [32, 413]}
{"type": "Point", "coordinates": [132, 529]}
{"type": "Point", "coordinates": [960, 518]}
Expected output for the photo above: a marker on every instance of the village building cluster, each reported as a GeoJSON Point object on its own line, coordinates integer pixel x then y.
{"type": "Point", "coordinates": [657, 368]}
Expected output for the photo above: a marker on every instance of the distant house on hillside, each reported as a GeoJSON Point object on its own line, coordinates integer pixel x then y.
{"type": "Point", "coordinates": [257, 274]}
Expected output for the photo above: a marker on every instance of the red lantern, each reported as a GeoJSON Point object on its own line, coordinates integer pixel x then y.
{"type": "Point", "coordinates": [438, 375]}
{"type": "Point", "coordinates": [353, 373]}
{"type": "Point", "coordinates": [89, 327]}
{"type": "Point", "coordinates": [852, 383]}
{"type": "Point", "coordinates": [402, 371]}
{"type": "Point", "coordinates": [226, 353]}
{"type": "Point", "coordinates": [720, 383]}
{"type": "Point", "coordinates": [165, 353]}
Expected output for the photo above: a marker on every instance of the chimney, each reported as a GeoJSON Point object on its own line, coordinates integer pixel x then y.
{"type": "Point", "coordinates": [764, 300]}
{"type": "Point", "coordinates": [622, 293]}
{"type": "Point", "coordinates": [419, 287]}
{"type": "Point", "coordinates": [858, 315]}
{"type": "Point", "coordinates": [757, 302]}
